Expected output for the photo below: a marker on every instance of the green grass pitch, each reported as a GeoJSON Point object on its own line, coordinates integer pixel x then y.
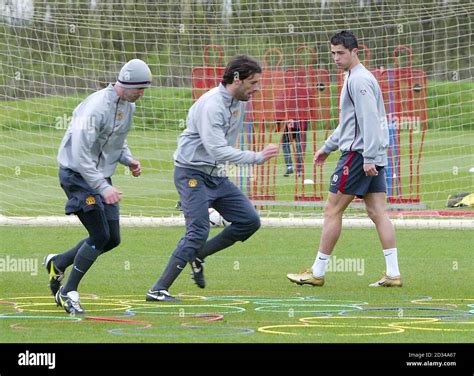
{"type": "Point", "coordinates": [248, 298]}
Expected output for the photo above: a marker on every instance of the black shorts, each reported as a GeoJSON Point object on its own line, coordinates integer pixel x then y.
{"type": "Point", "coordinates": [349, 177]}
{"type": "Point", "coordinates": [82, 197]}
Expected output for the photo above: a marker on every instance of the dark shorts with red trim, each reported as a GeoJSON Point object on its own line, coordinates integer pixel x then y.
{"type": "Point", "coordinates": [82, 197]}
{"type": "Point", "coordinates": [349, 177]}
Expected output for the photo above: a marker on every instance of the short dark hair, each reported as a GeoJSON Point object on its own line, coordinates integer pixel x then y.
{"type": "Point", "coordinates": [240, 67]}
{"type": "Point", "coordinates": [346, 38]}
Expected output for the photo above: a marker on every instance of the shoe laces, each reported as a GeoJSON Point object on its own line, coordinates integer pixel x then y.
{"type": "Point", "coordinates": [76, 305]}
{"type": "Point", "coordinates": [55, 273]}
{"type": "Point", "coordinates": [58, 277]}
{"type": "Point", "coordinates": [197, 265]}
{"type": "Point", "coordinates": [74, 300]}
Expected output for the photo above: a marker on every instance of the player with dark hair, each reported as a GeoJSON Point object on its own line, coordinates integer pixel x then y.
{"type": "Point", "coordinates": [94, 143]}
{"type": "Point", "coordinates": [213, 125]}
{"type": "Point", "coordinates": [362, 136]}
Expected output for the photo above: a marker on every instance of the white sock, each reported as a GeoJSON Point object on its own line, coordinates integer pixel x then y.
{"type": "Point", "coordinates": [391, 260]}
{"type": "Point", "coordinates": [319, 266]}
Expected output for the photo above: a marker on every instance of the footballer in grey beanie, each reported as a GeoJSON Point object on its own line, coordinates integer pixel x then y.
{"type": "Point", "coordinates": [134, 75]}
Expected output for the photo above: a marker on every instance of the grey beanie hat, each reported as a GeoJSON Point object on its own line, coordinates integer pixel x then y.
{"type": "Point", "coordinates": [134, 75]}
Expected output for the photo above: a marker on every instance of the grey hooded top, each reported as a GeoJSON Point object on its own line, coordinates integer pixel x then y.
{"type": "Point", "coordinates": [96, 138]}
{"type": "Point", "coordinates": [363, 123]}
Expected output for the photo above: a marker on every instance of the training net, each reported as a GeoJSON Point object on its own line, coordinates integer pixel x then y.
{"type": "Point", "coordinates": [55, 53]}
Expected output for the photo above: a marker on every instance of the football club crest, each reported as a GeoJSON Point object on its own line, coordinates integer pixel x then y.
{"type": "Point", "coordinates": [119, 116]}
{"type": "Point", "coordinates": [90, 200]}
{"type": "Point", "coordinates": [192, 183]}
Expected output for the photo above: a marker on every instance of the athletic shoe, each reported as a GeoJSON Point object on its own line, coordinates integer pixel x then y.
{"type": "Point", "coordinates": [306, 278]}
{"type": "Point", "coordinates": [70, 302]}
{"type": "Point", "coordinates": [160, 296]}
{"type": "Point", "coordinates": [55, 275]}
{"type": "Point", "coordinates": [197, 267]}
{"type": "Point", "coordinates": [387, 281]}
{"type": "Point", "coordinates": [289, 171]}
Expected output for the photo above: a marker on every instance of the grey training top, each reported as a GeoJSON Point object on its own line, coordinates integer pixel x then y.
{"type": "Point", "coordinates": [363, 123]}
{"type": "Point", "coordinates": [95, 140]}
{"type": "Point", "coordinates": [212, 126]}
